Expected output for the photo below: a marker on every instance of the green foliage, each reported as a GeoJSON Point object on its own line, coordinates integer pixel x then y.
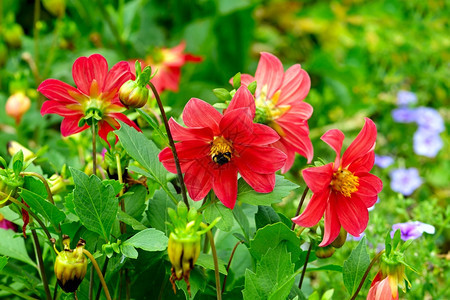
{"type": "Point", "coordinates": [216, 210]}
{"type": "Point", "coordinates": [14, 247]}
{"type": "Point", "coordinates": [95, 204]}
{"type": "Point", "coordinates": [148, 239]}
{"type": "Point", "coordinates": [355, 266]}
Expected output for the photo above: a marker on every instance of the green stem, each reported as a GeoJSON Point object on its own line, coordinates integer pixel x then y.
{"type": "Point", "coordinates": [94, 149]}
{"type": "Point", "coordinates": [172, 145]}
{"type": "Point", "coordinates": [40, 261]}
{"type": "Point", "coordinates": [363, 279]}
{"type": "Point", "coordinates": [21, 205]}
{"type": "Point", "coordinates": [99, 273]}
{"type": "Point", "coordinates": [55, 291]}
{"type": "Point", "coordinates": [216, 264]}
{"type": "Point", "coordinates": [229, 264]}
{"type": "Point", "coordinates": [304, 266]}
{"type": "Point", "coordinates": [105, 267]}
{"type": "Point", "coordinates": [300, 204]}
{"type": "Point", "coordinates": [17, 293]}
{"type": "Point", "coordinates": [91, 283]}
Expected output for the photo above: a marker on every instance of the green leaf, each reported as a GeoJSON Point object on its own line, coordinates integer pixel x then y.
{"type": "Point", "coordinates": [129, 251]}
{"type": "Point", "coordinates": [157, 211]}
{"type": "Point", "coordinates": [95, 204]}
{"type": "Point", "coordinates": [242, 220]}
{"type": "Point", "coordinates": [3, 262]}
{"type": "Point", "coordinates": [135, 201]}
{"type": "Point", "coordinates": [271, 236]}
{"type": "Point", "coordinates": [335, 268]}
{"type": "Point", "coordinates": [282, 188]}
{"type": "Point", "coordinates": [149, 239]}
{"type": "Point", "coordinates": [40, 205]}
{"type": "Point", "coordinates": [143, 150]}
{"type": "Point", "coordinates": [266, 215]}
{"type": "Point", "coordinates": [355, 266]}
{"type": "Point", "coordinates": [129, 220]}
{"type": "Point", "coordinates": [17, 162]}
{"type": "Point", "coordinates": [117, 186]}
{"type": "Point", "coordinates": [273, 278]}
{"type": "Point", "coordinates": [14, 246]}
{"type": "Point", "coordinates": [206, 261]}
{"type": "Point", "coordinates": [219, 210]}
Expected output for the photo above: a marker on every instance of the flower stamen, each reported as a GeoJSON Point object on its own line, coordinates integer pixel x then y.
{"type": "Point", "coordinates": [221, 150]}
{"type": "Point", "coordinates": [345, 182]}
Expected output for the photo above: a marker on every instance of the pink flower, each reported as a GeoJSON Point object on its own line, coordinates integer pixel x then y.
{"type": "Point", "coordinates": [345, 189]}
{"type": "Point", "coordinates": [168, 62]}
{"type": "Point", "coordinates": [5, 224]}
{"type": "Point", "coordinates": [96, 95]}
{"type": "Point", "coordinates": [382, 289]}
{"type": "Point", "coordinates": [215, 148]}
{"type": "Point", "coordinates": [279, 102]}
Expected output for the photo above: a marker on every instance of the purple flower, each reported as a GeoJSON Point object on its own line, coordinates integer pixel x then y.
{"type": "Point", "coordinates": [355, 238]}
{"type": "Point", "coordinates": [406, 98]}
{"type": "Point", "coordinates": [405, 181]}
{"type": "Point", "coordinates": [404, 115]}
{"type": "Point", "coordinates": [429, 118]}
{"type": "Point", "coordinates": [383, 161]}
{"type": "Point", "coordinates": [5, 224]}
{"type": "Point", "coordinates": [412, 229]}
{"type": "Point", "coordinates": [426, 142]}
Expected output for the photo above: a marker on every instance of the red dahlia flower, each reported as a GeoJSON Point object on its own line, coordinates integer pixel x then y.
{"type": "Point", "coordinates": [96, 96]}
{"type": "Point", "coordinates": [383, 289]}
{"type": "Point", "coordinates": [279, 104]}
{"type": "Point", "coordinates": [168, 61]}
{"type": "Point", "coordinates": [343, 190]}
{"type": "Point", "coordinates": [215, 147]}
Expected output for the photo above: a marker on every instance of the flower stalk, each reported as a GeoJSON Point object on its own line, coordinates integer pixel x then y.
{"type": "Point", "coordinates": [300, 204]}
{"type": "Point", "coordinates": [229, 264]}
{"type": "Point", "coordinates": [99, 273]}
{"type": "Point", "coordinates": [216, 264]}
{"type": "Point", "coordinates": [40, 261]}
{"type": "Point", "coordinates": [172, 145]}
{"type": "Point", "coordinates": [304, 266]}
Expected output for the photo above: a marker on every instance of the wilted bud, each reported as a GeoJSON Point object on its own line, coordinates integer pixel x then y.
{"type": "Point", "coordinates": [14, 147]}
{"type": "Point", "coordinates": [325, 252]}
{"type": "Point", "coordinates": [340, 240]}
{"type": "Point", "coordinates": [55, 7]}
{"type": "Point", "coordinates": [70, 266]}
{"type": "Point", "coordinates": [17, 105]}
{"type": "Point", "coordinates": [132, 94]}
{"type": "Point", "coordinates": [183, 253]}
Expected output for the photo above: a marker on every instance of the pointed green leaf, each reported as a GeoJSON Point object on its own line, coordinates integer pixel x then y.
{"type": "Point", "coordinates": [14, 246]}
{"type": "Point", "coordinates": [266, 215]}
{"type": "Point", "coordinates": [143, 150]}
{"type": "Point", "coordinates": [129, 220]}
{"type": "Point", "coordinates": [149, 239]}
{"type": "Point", "coordinates": [248, 195]}
{"type": "Point", "coordinates": [95, 204]}
{"type": "Point", "coordinates": [219, 210]}
{"type": "Point", "coordinates": [355, 266]}
{"type": "Point", "coordinates": [135, 200]}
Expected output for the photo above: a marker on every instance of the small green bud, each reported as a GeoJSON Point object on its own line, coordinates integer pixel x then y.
{"type": "Point", "coordinates": [131, 94]}
{"type": "Point", "coordinates": [325, 252]}
{"type": "Point", "coordinates": [340, 240]}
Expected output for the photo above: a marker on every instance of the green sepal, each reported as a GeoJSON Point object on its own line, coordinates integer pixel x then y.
{"type": "Point", "coordinates": [17, 162]}
{"type": "Point", "coordinates": [206, 228]}
{"type": "Point", "coordinates": [252, 87]}
{"type": "Point", "coordinates": [222, 94]}
{"type": "Point", "coordinates": [396, 239]}
{"type": "Point", "coordinates": [137, 67]}
{"type": "Point", "coordinates": [387, 244]}
{"type": "Point", "coordinates": [237, 81]}
{"type": "Point", "coordinates": [3, 162]}
{"type": "Point", "coordinates": [406, 245]}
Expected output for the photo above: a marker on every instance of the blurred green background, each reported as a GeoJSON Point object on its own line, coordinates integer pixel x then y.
{"type": "Point", "coordinates": [359, 54]}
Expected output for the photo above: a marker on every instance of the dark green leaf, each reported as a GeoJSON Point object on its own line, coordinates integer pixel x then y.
{"type": "Point", "coordinates": [266, 215]}
{"type": "Point", "coordinates": [355, 266]}
{"type": "Point", "coordinates": [335, 268]}
{"type": "Point", "coordinates": [95, 204]}
{"type": "Point", "coordinates": [242, 220]}
{"type": "Point", "coordinates": [3, 262]}
{"type": "Point", "coordinates": [117, 186]}
{"type": "Point", "coordinates": [14, 246]}
{"type": "Point", "coordinates": [282, 188]}
{"type": "Point", "coordinates": [129, 220]}
{"type": "Point", "coordinates": [157, 211]}
{"type": "Point", "coordinates": [135, 201]}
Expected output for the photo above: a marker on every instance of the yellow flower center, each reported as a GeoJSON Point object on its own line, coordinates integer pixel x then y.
{"type": "Point", "coordinates": [345, 182]}
{"type": "Point", "coordinates": [221, 150]}
{"type": "Point", "coordinates": [267, 109]}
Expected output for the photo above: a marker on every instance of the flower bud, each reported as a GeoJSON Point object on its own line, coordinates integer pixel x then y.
{"type": "Point", "coordinates": [183, 253]}
{"type": "Point", "coordinates": [325, 252]}
{"type": "Point", "coordinates": [13, 35]}
{"type": "Point", "coordinates": [70, 266]}
{"type": "Point", "coordinates": [132, 94]}
{"type": "Point", "coordinates": [14, 147]}
{"type": "Point", "coordinates": [340, 240]}
{"type": "Point", "coordinates": [9, 185]}
{"type": "Point", "coordinates": [17, 105]}
{"type": "Point", "coordinates": [55, 7]}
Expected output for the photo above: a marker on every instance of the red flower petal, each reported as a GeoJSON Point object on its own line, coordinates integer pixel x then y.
{"type": "Point", "coordinates": [352, 213]}
{"type": "Point", "coordinates": [332, 225]}
{"type": "Point", "coordinates": [198, 113]}
{"type": "Point", "coordinates": [104, 128]}
{"type": "Point", "coordinates": [180, 133]}
{"type": "Point", "coordinates": [198, 181]}
{"type": "Point", "coordinates": [363, 164]}
{"type": "Point", "coordinates": [225, 184]}
{"type": "Point", "coordinates": [261, 183]}
{"type": "Point", "coordinates": [123, 118]}
{"type": "Point", "coordinates": [290, 154]}
{"type": "Point", "coordinates": [318, 178]}
{"type": "Point", "coordinates": [57, 90]}
{"type": "Point", "coordinates": [334, 138]}
{"type": "Point", "coordinates": [118, 75]}
{"type": "Point", "coordinates": [264, 160]}
{"type": "Point", "coordinates": [269, 72]}
{"type": "Point", "coordinates": [86, 69]}
{"type": "Point", "coordinates": [242, 98]}
{"type": "Point", "coordinates": [314, 211]}
{"type": "Point", "coordinates": [369, 187]}
{"type": "Point", "coordinates": [295, 86]}
{"type": "Point", "coordinates": [54, 107]}
{"type": "Point", "coordinates": [299, 113]}
{"type": "Point", "coordinates": [297, 137]}
{"type": "Point", "coordinates": [262, 135]}
{"type": "Point", "coordinates": [363, 143]}
{"type": "Point", "coordinates": [69, 125]}
{"type": "Point", "coordinates": [237, 124]}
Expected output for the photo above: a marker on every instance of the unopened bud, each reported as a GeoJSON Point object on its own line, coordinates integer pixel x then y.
{"type": "Point", "coordinates": [325, 252]}
{"type": "Point", "coordinates": [17, 105]}
{"type": "Point", "coordinates": [340, 240]}
{"type": "Point", "coordinates": [183, 253]}
{"type": "Point", "coordinates": [55, 7]}
{"type": "Point", "coordinates": [131, 94]}
{"type": "Point", "coordinates": [14, 147]}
